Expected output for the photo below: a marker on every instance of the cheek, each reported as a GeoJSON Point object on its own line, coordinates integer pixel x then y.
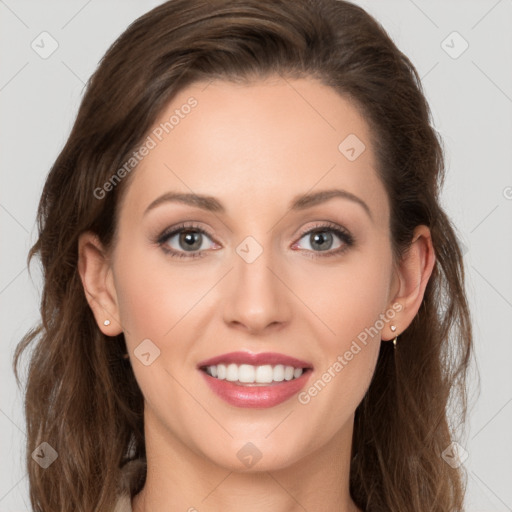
{"type": "Point", "coordinates": [159, 302]}
{"type": "Point", "coordinates": [345, 298]}
{"type": "Point", "coordinates": [153, 294]}
{"type": "Point", "coordinates": [352, 304]}
{"type": "Point", "coordinates": [348, 358]}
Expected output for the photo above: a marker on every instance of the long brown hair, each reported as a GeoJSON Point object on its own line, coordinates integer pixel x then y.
{"type": "Point", "coordinates": [81, 395]}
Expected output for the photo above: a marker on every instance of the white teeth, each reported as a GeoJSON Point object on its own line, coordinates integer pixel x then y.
{"type": "Point", "coordinates": [221, 371]}
{"type": "Point", "coordinates": [264, 374]}
{"type": "Point", "coordinates": [279, 373]}
{"type": "Point", "coordinates": [249, 374]}
{"type": "Point", "coordinates": [232, 372]}
{"type": "Point", "coordinates": [246, 373]}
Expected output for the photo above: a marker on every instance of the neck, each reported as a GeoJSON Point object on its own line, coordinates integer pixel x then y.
{"type": "Point", "coordinates": [181, 479]}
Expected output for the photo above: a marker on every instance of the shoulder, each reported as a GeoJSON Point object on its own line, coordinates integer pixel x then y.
{"type": "Point", "coordinates": [123, 504]}
{"type": "Point", "coordinates": [130, 477]}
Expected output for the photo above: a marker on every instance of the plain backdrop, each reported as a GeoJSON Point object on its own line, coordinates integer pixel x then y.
{"type": "Point", "coordinates": [463, 52]}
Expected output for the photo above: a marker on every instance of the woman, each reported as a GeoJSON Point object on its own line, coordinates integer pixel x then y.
{"type": "Point", "coordinates": [253, 299]}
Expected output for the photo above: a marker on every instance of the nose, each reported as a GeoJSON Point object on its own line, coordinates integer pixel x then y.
{"type": "Point", "coordinates": [257, 298]}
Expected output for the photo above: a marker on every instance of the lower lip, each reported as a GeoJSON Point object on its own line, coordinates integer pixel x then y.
{"type": "Point", "coordinates": [256, 396]}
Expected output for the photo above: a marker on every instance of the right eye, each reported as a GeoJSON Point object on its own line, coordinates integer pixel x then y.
{"type": "Point", "coordinates": [185, 241]}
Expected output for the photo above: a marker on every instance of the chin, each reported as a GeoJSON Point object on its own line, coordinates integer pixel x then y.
{"type": "Point", "coordinates": [254, 455]}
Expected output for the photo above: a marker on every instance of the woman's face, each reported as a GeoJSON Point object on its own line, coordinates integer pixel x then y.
{"type": "Point", "coordinates": [262, 264]}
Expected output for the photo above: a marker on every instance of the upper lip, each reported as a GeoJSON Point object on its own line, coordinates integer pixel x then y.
{"type": "Point", "coordinates": [263, 358]}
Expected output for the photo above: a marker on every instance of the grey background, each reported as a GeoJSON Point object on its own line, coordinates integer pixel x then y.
{"type": "Point", "coordinates": [471, 100]}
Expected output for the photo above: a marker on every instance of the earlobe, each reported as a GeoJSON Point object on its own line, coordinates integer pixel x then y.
{"type": "Point", "coordinates": [414, 271]}
{"type": "Point", "coordinates": [96, 275]}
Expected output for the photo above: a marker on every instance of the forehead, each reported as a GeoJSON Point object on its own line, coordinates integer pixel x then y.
{"type": "Point", "coordinates": [257, 143]}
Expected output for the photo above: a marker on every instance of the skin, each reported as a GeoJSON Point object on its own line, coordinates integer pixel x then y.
{"type": "Point", "coordinates": [254, 148]}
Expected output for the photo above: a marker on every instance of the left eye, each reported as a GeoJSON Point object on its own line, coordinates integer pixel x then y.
{"type": "Point", "coordinates": [320, 240]}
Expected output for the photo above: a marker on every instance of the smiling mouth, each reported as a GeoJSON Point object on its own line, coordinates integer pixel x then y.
{"type": "Point", "coordinates": [251, 375]}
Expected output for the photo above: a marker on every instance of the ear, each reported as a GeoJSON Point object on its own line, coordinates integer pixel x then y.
{"type": "Point", "coordinates": [412, 275]}
{"type": "Point", "coordinates": [97, 280]}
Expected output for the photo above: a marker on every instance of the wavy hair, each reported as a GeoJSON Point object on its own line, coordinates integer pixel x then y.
{"type": "Point", "coordinates": [81, 395]}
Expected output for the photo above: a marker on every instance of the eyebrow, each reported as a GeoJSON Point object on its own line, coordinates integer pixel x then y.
{"type": "Point", "coordinates": [298, 203]}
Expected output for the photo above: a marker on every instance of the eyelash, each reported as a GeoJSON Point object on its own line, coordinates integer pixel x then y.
{"type": "Point", "coordinates": [340, 232]}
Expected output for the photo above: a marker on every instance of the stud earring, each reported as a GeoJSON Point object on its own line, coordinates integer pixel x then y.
{"type": "Point", "coordinates": [106, 322]}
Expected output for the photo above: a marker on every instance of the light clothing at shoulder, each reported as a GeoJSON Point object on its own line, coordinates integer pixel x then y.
{"type": "Point", "coordinates": [130, 474]}
{"type": "Point", "coordinates": [124, 504]}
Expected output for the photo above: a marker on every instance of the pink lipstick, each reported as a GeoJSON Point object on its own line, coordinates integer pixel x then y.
{"type": "Point", "coordinates": [245, 379]}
